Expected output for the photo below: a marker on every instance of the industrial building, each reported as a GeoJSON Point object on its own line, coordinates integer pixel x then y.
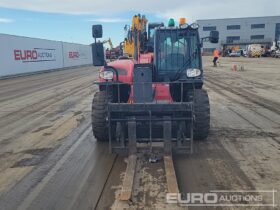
{"type": "Point", "coordinates": [240, 32]}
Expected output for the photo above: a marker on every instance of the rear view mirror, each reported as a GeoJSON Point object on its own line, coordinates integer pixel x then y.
{"type": "Point", "coordinates": [98, 57]}
{"type": "Point", "coordinates": [97, 31]}
{"type": "Point", "coordinates": [214, 37]}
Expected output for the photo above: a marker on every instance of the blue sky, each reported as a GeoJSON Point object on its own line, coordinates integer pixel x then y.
{"type": "Point", "coordinates": [71, 21]}
{"type": "Point", "coordinates": [63, 27]}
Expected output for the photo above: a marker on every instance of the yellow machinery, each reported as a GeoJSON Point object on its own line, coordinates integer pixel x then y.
{"type": "Point", "coordinates": [134, 34]}
{"type": "Point", "coordinates": [109, 41]}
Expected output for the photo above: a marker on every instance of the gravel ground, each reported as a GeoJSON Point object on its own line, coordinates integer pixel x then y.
{"type": "Point", "coordinates": [43, 118]}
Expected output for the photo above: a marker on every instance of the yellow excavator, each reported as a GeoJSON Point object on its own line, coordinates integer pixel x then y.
{"type": "Point", "coordinates": [137, 38]}
{"type": "Point", "coordinates": [111, 53]}
{"type": "Point", "coordinates": [134, 33]}
{"type": "Point", "coordinates": [109, 41]}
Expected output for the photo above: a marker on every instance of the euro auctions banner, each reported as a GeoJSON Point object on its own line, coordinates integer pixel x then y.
{"type": "Point", "coordinates": [20, 55]}
{"type": "Point", "coordinates": [76, 54]}
{"type": "Point", "coordinates": [35, 55]}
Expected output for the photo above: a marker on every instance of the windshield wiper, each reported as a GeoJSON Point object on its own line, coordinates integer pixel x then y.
{"type": "Point", "coordinates": [179, 72]}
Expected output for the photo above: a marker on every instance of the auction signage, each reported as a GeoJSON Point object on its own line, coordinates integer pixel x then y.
{"type": "Point", "coordinates": [35, 55]}
{"type": "Point", "coordinates": [73, 55]}
{"type": "Point", "coordinates": [20, 55]}
{"type": "Point", "coordinates": [76, 54]}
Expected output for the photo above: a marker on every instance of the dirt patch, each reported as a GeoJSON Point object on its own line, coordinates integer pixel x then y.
{"type": "Point", "coordinates": [241, 133]}
{"type": "Point", "coordinates": [42, 128]}
{"type": "Point", "coordinates": [36, 114]}
{"type": "Point", "coordinates": [38, 156]}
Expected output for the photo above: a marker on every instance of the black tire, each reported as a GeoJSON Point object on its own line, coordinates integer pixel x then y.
{"type": "Point", "coordinates": [202, 115]}
{"type": "Point", "coordinates": [99, 115]}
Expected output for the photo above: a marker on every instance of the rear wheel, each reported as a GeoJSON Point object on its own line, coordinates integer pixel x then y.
{"type": "Point", "coordinates": [202, 115]}
{"type": "Point", "coordinates": [99, 115]}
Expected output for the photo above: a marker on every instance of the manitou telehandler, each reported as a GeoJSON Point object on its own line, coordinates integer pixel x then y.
{"type": "Point", "coordinates": [155, 99]}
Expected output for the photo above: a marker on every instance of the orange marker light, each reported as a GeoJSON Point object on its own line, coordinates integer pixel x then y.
{"type": "Point", "coordinates": [182, 21]}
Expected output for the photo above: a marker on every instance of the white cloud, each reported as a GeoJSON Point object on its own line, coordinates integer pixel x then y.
{"type": "Point", "coordinates": [108, 20]}
{"type": "Point", "coordinates": [6, 20]}
{"type": "Point", "coordinates": [206, 9]}
{"type": "Point", "coordinates": [199, 9]}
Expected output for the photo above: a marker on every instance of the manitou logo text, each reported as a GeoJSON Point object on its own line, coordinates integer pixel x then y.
{"type": "Point", "coordinates": [34, 55]}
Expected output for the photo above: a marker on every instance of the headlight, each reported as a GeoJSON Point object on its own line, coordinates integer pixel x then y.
{"type": "Point", "coordinates": [194, 26]}
{"type": "Point", "coordinates": [107, 75]}
{"type": "Point", "coordinates": [193, 72]}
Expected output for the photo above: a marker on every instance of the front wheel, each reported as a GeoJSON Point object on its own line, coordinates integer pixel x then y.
{"type": "Point", "coordinates": [99, 115]}
{"type": "Point", "coordinates": [201, 115]}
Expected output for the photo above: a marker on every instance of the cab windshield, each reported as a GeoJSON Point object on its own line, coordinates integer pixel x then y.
{"type": "Point", "coordinates": [176, 50]}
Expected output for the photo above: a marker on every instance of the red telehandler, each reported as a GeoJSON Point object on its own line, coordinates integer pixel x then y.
{"type": "Point", "coordinates": [155, 99]}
